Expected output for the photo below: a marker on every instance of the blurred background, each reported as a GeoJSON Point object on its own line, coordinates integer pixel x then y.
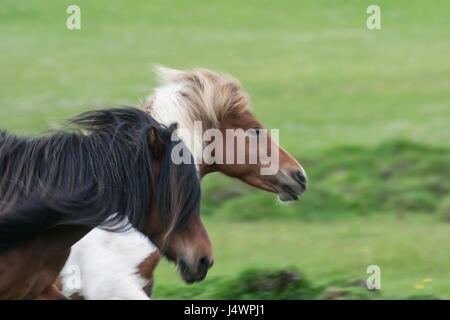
{"type": "Point", "coordinates": [367, 113]}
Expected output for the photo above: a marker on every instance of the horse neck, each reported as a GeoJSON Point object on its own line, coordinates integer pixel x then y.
{"type": "Point", "coordinates": [59, 238]}
{"type": "Point", "coordinates": [168, 106]}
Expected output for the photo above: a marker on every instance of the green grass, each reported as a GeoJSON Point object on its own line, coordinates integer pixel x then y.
{"type": "Point", "coordinates": [312, 68]}
{"type": "Point", "coordinates": [386, 206]}
{"type": "Point", "coordinates": [314, 71]}
{"type": "Point", "coordinates": [407, 250]}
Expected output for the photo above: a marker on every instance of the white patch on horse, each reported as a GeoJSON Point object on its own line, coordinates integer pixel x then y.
{"type": "Point", "coordinates": [108, 265]}
{"type": "Point", "coordinates": [109, 261]}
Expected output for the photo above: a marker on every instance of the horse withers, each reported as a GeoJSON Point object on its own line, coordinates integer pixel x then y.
{"type": "Point", "coordinates": [116, 173]}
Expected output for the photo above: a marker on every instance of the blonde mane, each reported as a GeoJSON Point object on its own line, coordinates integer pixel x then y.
{"type": "Point", "coordinates": [195, 95]}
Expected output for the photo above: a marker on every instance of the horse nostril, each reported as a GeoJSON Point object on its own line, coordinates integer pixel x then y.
{"type": "Point", "coordinates": [301, 178]}
{"type": "Point", "coordinates": [183, 266]}
{"type": "Point", "coordinates": [204, 263]}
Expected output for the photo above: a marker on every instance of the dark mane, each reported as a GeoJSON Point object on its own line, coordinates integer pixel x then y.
{"type": "Point", "coordinates": [101, 177]}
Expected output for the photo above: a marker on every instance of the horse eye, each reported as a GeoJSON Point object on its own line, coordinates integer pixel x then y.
{"type": "Point", "coordinates": [256, 131]}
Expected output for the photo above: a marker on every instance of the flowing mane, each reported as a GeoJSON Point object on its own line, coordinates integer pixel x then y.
{"type": "Point", "coordinates": [101, 177]}
{"type": "Point", "coordinates": [197, 95]}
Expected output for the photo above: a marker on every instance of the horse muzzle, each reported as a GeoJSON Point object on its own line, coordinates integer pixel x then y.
{"type": "Point", "coordinates": [196, 271]}
{"type": "Point", "coordinates": [291, 186]}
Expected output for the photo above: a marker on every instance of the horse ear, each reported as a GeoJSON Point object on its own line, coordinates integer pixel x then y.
{"type": "Point", "coordinates": [167, 75]}
{"type": "Point", "coordinates": [155, 143]}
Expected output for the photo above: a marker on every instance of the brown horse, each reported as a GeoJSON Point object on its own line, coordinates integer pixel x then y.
{"type": "Point", "coordinates": [55, 189]}
{"type": "Point", "coordinates": [216, 102]}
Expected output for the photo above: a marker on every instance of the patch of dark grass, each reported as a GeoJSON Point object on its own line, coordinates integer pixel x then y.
{"type": "Point", "coordinates": [261, 284]}
{"type": "Point", "coordinates": [278, 284]}
{"type": "Point", "coordinates": [444, 209]}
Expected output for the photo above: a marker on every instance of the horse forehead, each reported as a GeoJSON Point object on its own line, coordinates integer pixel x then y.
{"type": "Point", "coordinates": [243, 120]}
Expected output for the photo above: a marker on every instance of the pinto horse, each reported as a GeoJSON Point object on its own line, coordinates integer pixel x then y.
{"type": "Point", "coordinates": [116, 173]}
{"type": "Point", "coordinates": [121, 269]}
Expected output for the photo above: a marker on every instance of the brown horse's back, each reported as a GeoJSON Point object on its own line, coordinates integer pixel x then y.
{"type": "Point", "coordinates": [28, 270]}
{"type": "Point", "coordinates": [24, 275]}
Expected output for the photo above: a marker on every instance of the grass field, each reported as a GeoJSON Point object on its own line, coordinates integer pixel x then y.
{"type": "Point", "coordinates": [314, 71]}
{"type": "Point", "coordinates": [407, 250]}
